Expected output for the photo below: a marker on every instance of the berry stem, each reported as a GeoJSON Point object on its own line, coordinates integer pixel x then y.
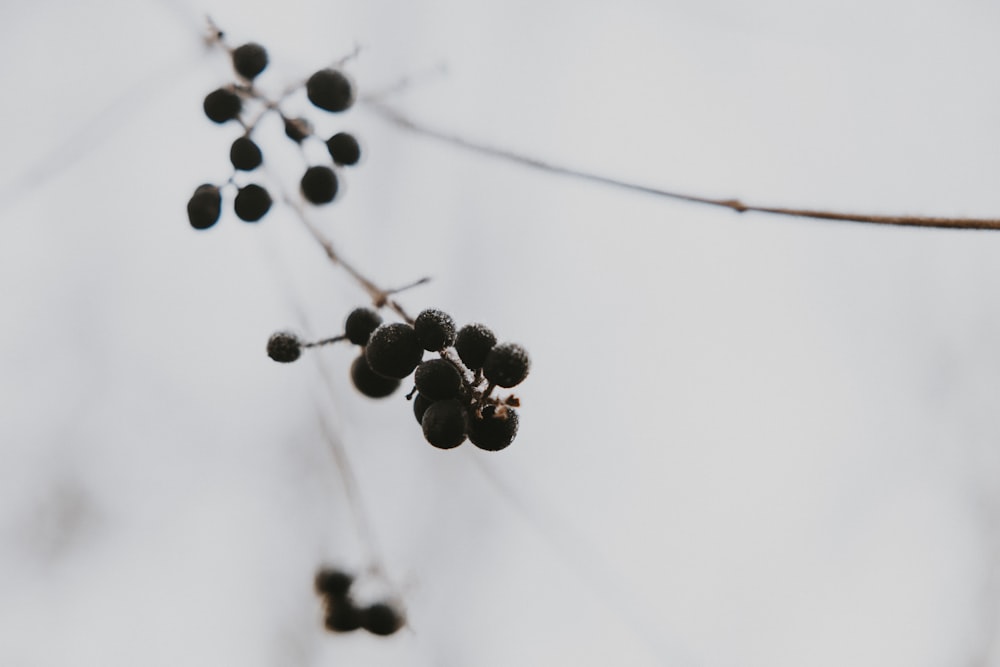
{"type": "Point", "coordinates": [396, 117]}
{"type": "Point", "coordinates": [326, 341]}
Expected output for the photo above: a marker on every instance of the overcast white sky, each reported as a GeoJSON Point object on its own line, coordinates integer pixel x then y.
{"type": "Point", "coordinates": [745, 441]}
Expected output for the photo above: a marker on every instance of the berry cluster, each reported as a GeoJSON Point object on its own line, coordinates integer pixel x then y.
{"type": "Point", "coordinates": [453, 397]}
{"type": "Point", "coordinates": [342, 614]}
{"type": "Point", "coordinates": [328, 89]}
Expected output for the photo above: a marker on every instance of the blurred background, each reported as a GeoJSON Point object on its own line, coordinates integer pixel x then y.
{"type": "Point", "coordinates": [745, 441]}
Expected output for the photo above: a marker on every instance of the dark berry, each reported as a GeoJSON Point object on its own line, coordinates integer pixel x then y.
{"type": "Point", "coordinates": [319, 185]}
{"type": "Point", "coordinates": [370, 383]}
{"type": "Point", "coordinates": [333, 583]}
{"type": "Point", "coordinates": [252, 203]}
{"type": "Point", "coordinates": [249, 60]}
{"type": "Point", "coordinates": [506, 365]}
{"type": "Point", "coordinates": [245, 154]}
{"type": "Point", "coordinates": [393, 350]}
{"type": "Point", "coordinates": [204, 206]}
{"type": "Point", "coordinates": [344, 149]}
{"type": "Point", "coordinates": [381, 619]}
{"type": "Point", "coordinates": [284, 347]}
{"type": "Point", "coordinates": [473, 343]}
{"type": "Point", "coordinates": [342, 616]}
{"type": "Point", "coordinates": [330, 90]}
{"type": "Point", "coordinates": [445, 424]}
{"type": "Point", "coordinates": [494, 432]}
{"type": "Point", "coordinates": [438, 379]}
{"type": "Point", "coordinates": [420, 405]}
{"type": "Point", "coordinates": [360, 324]}
{"type": "Point", "coordinates": [435, 329]}
{"type": "Point", "coordinates": [222, 105]}
{"type": "Point", "coordinates": [297, 129]}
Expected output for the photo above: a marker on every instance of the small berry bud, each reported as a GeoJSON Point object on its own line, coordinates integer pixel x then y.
{"type": "Point", "coordinates": [245, 154]}
{"type": "Point", "coordinates": [252, 203]}
{"type": "Point", "coordinates": [319, 185]}
{"type": "Point", "coordinates": [333, 583]}
{"type": "Point", "coordinates": [506, 365]}
{"type": "Point", "coordinates": [435, 329]}
{"type": "Point", "coordinates": [222, 105]}
{"type": "Point", "coordinates": [297, 129]}
{"type": "Point", "coordinates": [393, 350]}
{"type": "Point", "coordinates": [330, 90]}
{"type": "Point", "coordinates": [381, 619]}
{"type": "Point", "coordinates": [284, 347]}
{"type": "Point", "coordinates": [445, 424]}
{"type": "Point", "coordinates": [494, 432]}
{"type": "Point", "coordinates": [370, 383]}
{"type": "Point", "coordinates": [344, 149]}
{"type": "Point", "coordinates": [204, 206]}
{"type": "Point", "coordinates": [437, 379]}
{"type": "Point", "coordinates": [360, 324]}
{"type": "Point", "coordinates": [249, 60]}
{"type": "Point", "coordinates": [473, 343]}
{"type": "Point", "coordinates": [342, 616]}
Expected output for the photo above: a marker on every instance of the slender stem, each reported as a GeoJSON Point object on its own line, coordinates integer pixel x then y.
{"type": "Point", "coordinates": [398, 118]}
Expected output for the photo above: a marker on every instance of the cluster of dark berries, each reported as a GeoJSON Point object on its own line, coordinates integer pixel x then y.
{"type": "Point", "coordinates": [453, 398]}
{"type": "Point", "coordinates": [328, 89]}
{"type": "Point", "coordinates": [342, 614]}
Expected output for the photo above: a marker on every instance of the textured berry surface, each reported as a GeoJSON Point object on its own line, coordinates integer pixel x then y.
{"type": "Point", "coordinates": [360, 324]}
{"type": "Point", "coordinates": [506, 365]}
{"type": "Point", "coordinates": [473, 343]}
{"type": "Point", "coordinates": [245, 154]}
{"type": "Point", "coordinates": [252, 203]}
{"type": "Point", "coordinates": [205, 206]}
{"type": "Point", "coordinates": [330, 90]}
{"type": "Point", "coordinates": [393, 350]}
{"type": "Point", "coordinates": [222, 105]}
{"type": "Point", "coordinates": [381, 619]}
{"type": "Point", "coordinates": [333, 583]}
{"type": "Point", "coordinates": [249, 60]}
{"type": "Point", "coordinates": [297, 129]}
{"type": "Point", "coordinates": [494, 432]}
{"type": "Point", "coordinates": [435, 329]}
{"type": "Point", "coordinates": [370, 383]}
{"type": "Point", "coordinates": [437, 379]}
{"type": "Point", "coordinates": [319, 184]}
{"type": "Point", "coordinates": [284, 347]}
{"type": "Point", "coordinates": [445, 424]}
{"type": "Point", "coordinates": [344, 149]}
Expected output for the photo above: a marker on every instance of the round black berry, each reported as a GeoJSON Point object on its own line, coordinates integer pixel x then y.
{"type": "Point", "coordinates": [330, 90]}
{"type": "Point", "coordinates": [252, 203]}
{"type": "Point", "coordinates": [360, 324]}
{"type": "Point", "coordinates": [506, 365]}
{"type": "Point", "coordinates": [342, 616]}
{"type": "Point", "coordinates": [222, 105]}
{"type": "Point", "coordinates": [381, 619]}
{"type": "Point", "coordinates": [445, 424]}
{"type": "Point", "coordinates": [437, 379]}
{"type": "Point", "coordinates": [249, 60]}
{"type": "Point", "coordinates": [333, 583]}
{"type": "Point", "coordinates": [245, 154]}
{"type": "Point", "coordinates": [344, 149]}
{"type": "Point", "coordinates": [297, 129]}
{"type": "Point", "coordinates": [204, 206]}
{"type": "Point", "coordinates": [319, 185]}
{"type": "Point", "coordinates": [370, 383]}
{"type": "Point", "coordinates": [284, 347]}
{"type": "Point", "coordinates": [435, 329]}
{"type": "Point", "coordinates": [420, 405]}
{"type": "Point", "coordinates": [473, 343]}
{"type": "Point", "coordinates": [393, 350]}
{"type": "Point", "coordinates": [494, 432]}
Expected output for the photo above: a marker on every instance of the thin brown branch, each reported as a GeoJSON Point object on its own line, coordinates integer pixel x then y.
{"type": "Point", "coordinates": [397, 118]}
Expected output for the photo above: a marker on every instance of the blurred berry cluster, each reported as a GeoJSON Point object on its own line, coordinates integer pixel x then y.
{"type": "Point", "coordinates": [328, 89]}
{"type": "Point", "coordinates": [343, 614]}
{"type": "Point", "coordinates": [454, 395]}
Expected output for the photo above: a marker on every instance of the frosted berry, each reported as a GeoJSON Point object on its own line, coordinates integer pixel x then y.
{"type": "Point", "coordinates": [319, 185]}
{"type": "Point", "coordinates": [245, 154]}
{"type": "Point", "coordinates": [297, 129]}
{"type": "Point", "coordinates": [249, 60]}
{"type": "Point", "coordinates": [344, 149]}
{"type": "Point", "coordinates": [435, 329]}
{"type": "Point", "coordinates": [360, 324]}
{"type": "Point", "coordinates": [252, 203]}
{"type": "Point", "coordinates": [284, 347]}
{"type": "Point", "coordinates": [494, 432]}
{"type": "Point", "coordinates": [420, 405]}
{"type": "Point", "coordinates": [222, 105]}
{"type": "Point", "coordinates": [506, 365]}
{"type": "Point", "coordinates": [342, 616]}
{"type": "Point", "coordinates": [330, 90]}
{"type": "Point", "coordinates": [445, 424]}
{"type": "Point", "coordinates": [204, 206]}
{"type": "Point", "coordinates": [438, 379]}
{"type": "Point", "coordinates": [473, 343]}
{"type": "Point", "coordinates": [370, 383]}
{"type": "Point", "coordinates": [333, 583]}
{"type": "Point", "coordinates": [393, 350]}
{"type": "Point", "coordinates": [381, 619]}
